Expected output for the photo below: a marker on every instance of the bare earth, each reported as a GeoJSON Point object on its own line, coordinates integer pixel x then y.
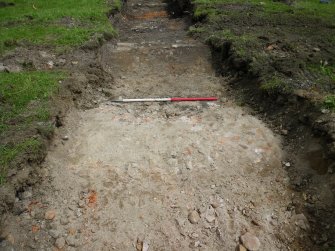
{"type": "Point", "coordinates": [154, 176]}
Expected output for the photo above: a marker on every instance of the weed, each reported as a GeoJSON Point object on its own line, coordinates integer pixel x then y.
{"type": "Point", "coordinates": [328, 71]}
{"type": "Point", "coordinates": [196, 30]}
{"type": "Point", "coordinates": [116, 6]}
{"type": "Point", "coordinates": [329, 102]}
{"type": "Point", "coordinates": [273, 85]}
{"type": "Point", "coordinates": [8, 154]}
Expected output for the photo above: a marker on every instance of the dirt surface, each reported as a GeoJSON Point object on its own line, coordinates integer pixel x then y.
{"type": "Point", "coordinates": [283, 48]}
{"type": "Point", "coordinates": [275, 60]}
{"type": "Point", "coordinates": [177, 176]}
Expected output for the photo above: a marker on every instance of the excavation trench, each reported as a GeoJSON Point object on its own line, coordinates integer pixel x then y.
{"type": "Point", "coordinates": [168, 176]}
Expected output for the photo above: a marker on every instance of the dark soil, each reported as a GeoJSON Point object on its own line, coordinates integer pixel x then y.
{"type": "Point", "coordinates": [285, 47]}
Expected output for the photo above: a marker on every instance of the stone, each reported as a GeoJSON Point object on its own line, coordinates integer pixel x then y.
{"type": "Point", "coordinates": [44, 54]}
{"type": "Point", "coordinates": [50, 215]}
{"type": "Point", "coordinates": [210, 214]}
{"type": "Point", "coordinates": [2, 67]}
{"type": "Point", "coordinates": [325, 111]}
{"type": "Point", "coordinates": [284, 132]}
{"type": "Point", "coordinates": [139, 242]}
{"type": "Point", "coordinates": [81, 204]}
{"type": "Point", "coordinates": [241, 248]}
{"type": "Point", "coordinates": [197, 244]}
{"type": "Point", "coordinates": [65, 137]}
{"type": "Point", "coordinates": [250, 241]}
{"type": "Point", "coordinates": [13, 68]}
{"type": "Point", "coordinates": [145, 246]}
{"type": "Point", "coordinates": [50, 64]}
{"type": "Point", "coordinates": [193, 217]}
{"type": "Point", "coordinates": [54, 233]}
{"type": "Point", "coordinates": [215, 204]}
{"type": "Point", "coordinates": [189, 165]}
{"type": "Point", "coordinates": [301, 221]}
{"type": "Point", "coordinates": [71, 241]}
{"type": "Point", "coordinates": [210, 218]}
{"type": "Point", "coordinates": [64, 221]}
{"type": "Point", "coordinates": [10, 239]}
{"type": "Point", "coordinates": [316, 49]}
{"type": "Point", "coordinates": [27, 194]}
{"type": "Point", "coordinates": [60, 243]}
{"type": "Point", "coordinates": [61, 61]}
{"type": "Point", "coordinates": [72, 231]}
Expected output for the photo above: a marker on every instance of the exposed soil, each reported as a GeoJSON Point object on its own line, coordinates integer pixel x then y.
{"type": "Point", "coordinates": [279, 45]}
{"type": "Point", "coordinates": [157, 176]}
{"type": "Point", "coordinates": [283, 50]}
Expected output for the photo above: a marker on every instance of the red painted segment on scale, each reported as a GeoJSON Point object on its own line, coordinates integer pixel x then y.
{"type": "Point", "coordinates": [194, 99]}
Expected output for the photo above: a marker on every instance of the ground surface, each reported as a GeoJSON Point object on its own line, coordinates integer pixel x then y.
{"type": "Point", "coordinates": [185, 176]}
{"type": "Point", "coordinates": [288, 46]}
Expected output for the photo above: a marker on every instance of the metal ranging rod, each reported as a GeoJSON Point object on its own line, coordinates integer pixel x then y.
{"type": "Point", "coordinates": [165, 99]}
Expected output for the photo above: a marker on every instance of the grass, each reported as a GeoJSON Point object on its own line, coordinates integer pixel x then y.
{"type": "Point", "coordinates": [116, 6]}
{"type": "Point", "coordinates": [24, 99]}
{"type": "Point", "coordinates": [324, 72]}
{"type": "Point", "coordinates": [273, 85]}
{"type": "Point", "coordinates": [9, 153]}
{"type": "Point", "coordinates": [309, 8]}
{"type": "Point", "coordinates": [329, 71]}
{"type": "Point", "coordinates": [18, 90]}
{"type": "Point", "coordinates": [329, 102]}
{"type": "Point", "coordinates": [57, 23]}
{"type": "Point", "coordinates": [25, 104]}
{"type": "Point", "coordinates": [254, 28]}
{"type": "Point", "coordinates": [195, 30]}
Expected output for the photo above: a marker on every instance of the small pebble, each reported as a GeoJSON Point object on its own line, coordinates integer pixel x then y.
{"type": "Point", "coordinates": [250, 241]}
{"type": "Point", "coordinates": [50, 215]}
{"type": "Point", "coordinates": [193, 217]}
{"type": "Point", "coordinates": [60, 243]}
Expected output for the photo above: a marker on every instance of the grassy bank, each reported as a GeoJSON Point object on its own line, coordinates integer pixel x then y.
{"type": "Point", "coordinates": [25, 96]}
{"type": "Point", "coordinates": [60, 24]}
{"type": "Point", "coordinates": [288, 46]}
{"type": "Point", "coordinates": [24, 111]}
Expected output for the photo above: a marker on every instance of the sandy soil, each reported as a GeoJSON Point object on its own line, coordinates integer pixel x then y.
{"type": "Point", "coordinates": [154, 176]}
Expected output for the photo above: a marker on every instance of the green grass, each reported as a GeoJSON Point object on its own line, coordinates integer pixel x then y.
{"type": "Point", "coordinates": [304, 8]}
{"type": "Point", "coordinates": [25, 97]}
{"type": "Point", "coordinates": [329, 102]}
{"type": "Point", "coordinates": [329, 71]}
{"type": "Point", "coordinates": [325, 72]}
{"type": "Point", "coordinates": [24, 102]}
{"type": "Point", "coordinates": [9, 153]}
{"type": "Point", "coordinates": [58, 23]}
{"type": "Point", "coordinates": [273, 85]}
{"type": "Point", "coordinates": [195, 30]}
{"type": "Point", "coordinates": [18, 90]}
{"type": "Point", "coordinates": [116, 5]}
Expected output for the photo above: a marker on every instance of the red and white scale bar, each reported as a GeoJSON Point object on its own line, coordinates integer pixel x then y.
{"type": "Point", "coordinates": [166, 99]}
